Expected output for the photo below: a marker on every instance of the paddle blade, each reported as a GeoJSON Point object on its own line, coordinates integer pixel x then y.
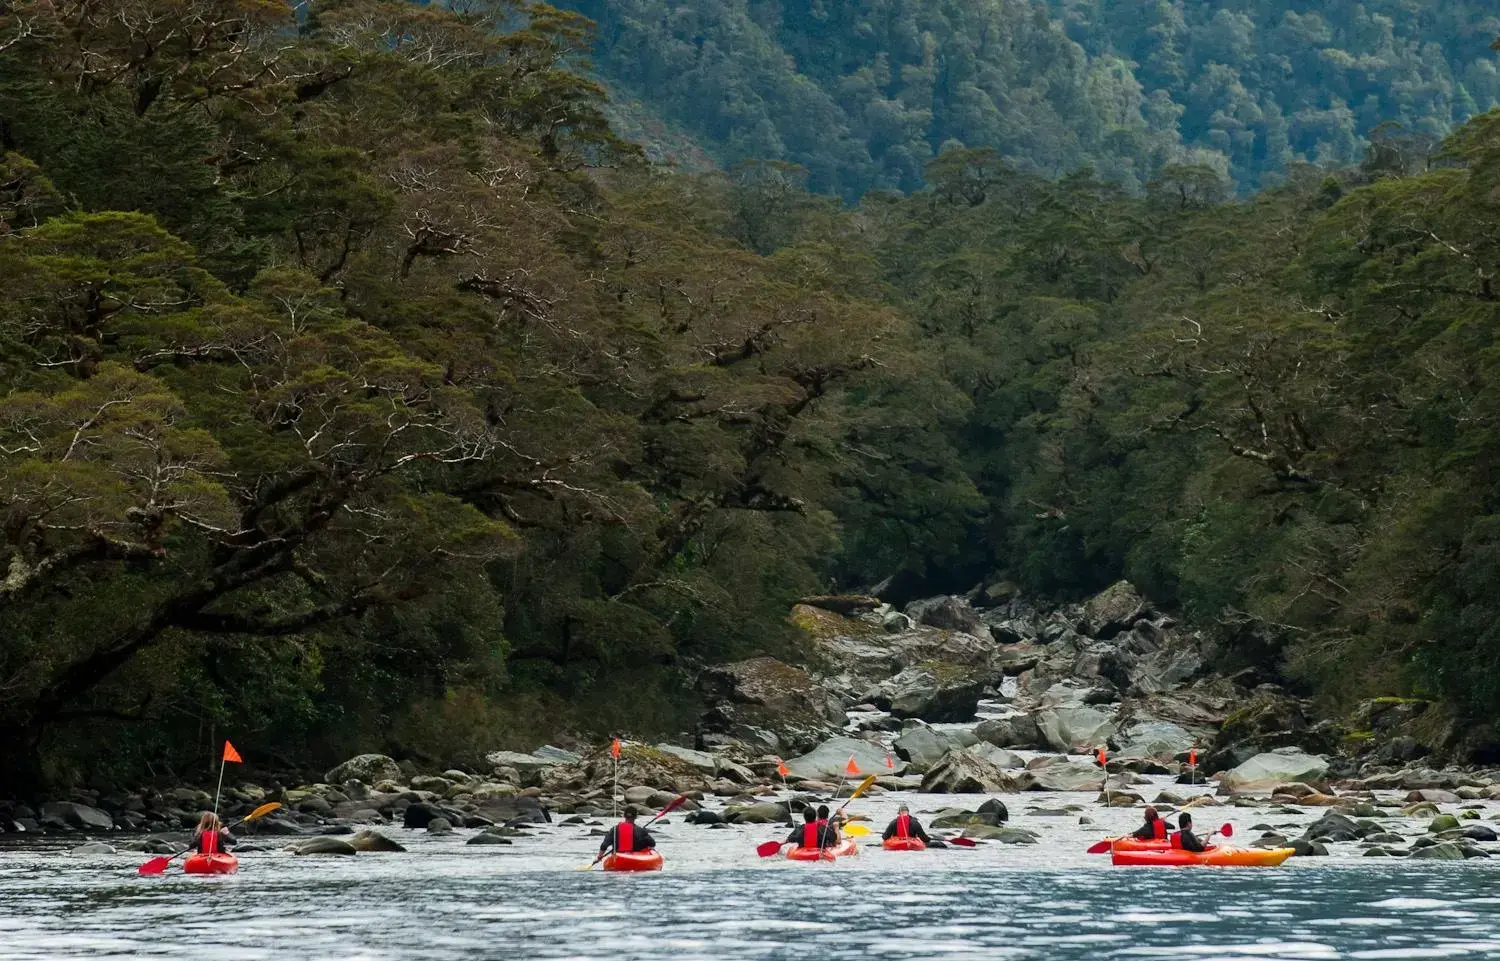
{"type": "Point", "coordinates": [262, 811]}
{"type": "Point", "coordinates": [672, 805]}
{"type": "Point", "coordinates": [855, 830]}
{"type": "Point", "coordinates": [1227, 830]}
{"type": "Point", "coordinates": [769, 849]}
{"type": "Point", "coordinates": [1100, 847]}
{"type": "Point", "coordinates": [863, 787]}
{"type": "Point", "coordinates": [153, 866]}
{"type": "Point", "coordinates": [964, 842]}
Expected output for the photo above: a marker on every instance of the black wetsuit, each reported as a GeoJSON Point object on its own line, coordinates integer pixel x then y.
{"type": "Point", "coordinates": [1188, 841]}
{"type": "Point", "coordinates": [639, 840]}
{"type": "Point", "coordinates": [913, 829]}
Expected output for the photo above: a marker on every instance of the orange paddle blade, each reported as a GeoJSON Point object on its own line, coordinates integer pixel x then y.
{"type": "Point", "coordinates": [768, 849]}
{"type": "Point", "coordinates": [153, 866]}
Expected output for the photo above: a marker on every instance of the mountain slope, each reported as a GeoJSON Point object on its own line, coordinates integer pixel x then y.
{"type": "Point", "coordinates": [863, 94]}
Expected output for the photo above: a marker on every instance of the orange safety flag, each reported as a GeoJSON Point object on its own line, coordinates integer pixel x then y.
{"type": "Point", "coordinates": [1193, 758]}
{"type": "Point", "coordinates": [851, 768]}
{"type": "Point", "coordinates": [1101, 758]}
{"type": "Point", "coordinates": [614, 749]}
{"type": "Point", "coordinates": [781, 768]}
{"type": "Point", "coordinates": [890, 764]}
{"type": "Point", "coordinates": [230, 754]}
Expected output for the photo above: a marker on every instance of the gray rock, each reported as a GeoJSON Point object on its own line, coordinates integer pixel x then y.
{"type": "Point", "coordinates": [92, 848]}
{"type": "Point", "coordinates": [1005, 835]}
{"type": "Point", "coordinates": [1443, 851]}
{"type": "Point", "coordinates": [827, 760]}
{"type": "Point", "coordinates": [439, 826]}
{"type": "Point", "coordinates": [755, 814]}
{"type": "Point", "coordinates": [1159, 740]}
{"type": "Point", "coordinates": [325, 845]}
{"type": "Point", "coordinates": [368, 768]}
{"type": "Point", "coordinates": [1062, 774]}
{"type": "Point", "coordinates": [948, 613]}
{"type": "Point", "coordinates": [922, 746]}
{"type": "Point", "coordinates": [367, 841]}
{"type": "Point", "coordinates": [1018, 731]}
{"type": "Point", "coordinates": [485, 837]}
{"type": "Point", "coordinates": [933, 692]}
{"type": "Point", "coordinates": [1113, 610]}
{"type": "Point", "coordinates": [1068, 728]}
{"type": "Point", "coordinates": [960, 772]}
{"type": "Point", "coordinates": [81, 816]}
{"type": "Point", "coordinates": [997, 756]}
{"type": "Point", "coordinates": [1282, 766]}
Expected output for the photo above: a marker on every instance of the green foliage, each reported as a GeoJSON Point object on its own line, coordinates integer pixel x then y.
{"type": "Point", "coordinates": [864, 94]}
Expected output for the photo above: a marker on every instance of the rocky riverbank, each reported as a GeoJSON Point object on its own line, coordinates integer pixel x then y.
{"type": "Point", "coordinates": [982, 695]}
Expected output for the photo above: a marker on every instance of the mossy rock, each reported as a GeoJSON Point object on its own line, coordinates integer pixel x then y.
{"type": "Point", "coordinates": [1443, 822]}
{"type": "Point", "coordinates": [825, 624]}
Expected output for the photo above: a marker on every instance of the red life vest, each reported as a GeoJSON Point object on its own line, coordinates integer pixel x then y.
{"type": "Point", "coordinates": [810, 835]}
{"type": "Point", "coordinates": [625, 838]}
{"type": "Point", "coordinates": [1160, 828]}
{"type": "Point", "coordinates": [208, 842]}
{"type": "Point", "coordinates": [903, 825]}
{"type": "Point", "coordinates": [1177, 840]}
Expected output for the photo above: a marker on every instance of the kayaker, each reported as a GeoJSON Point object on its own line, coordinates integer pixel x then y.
{"type": "Point", "coordinates": [625, 837]}
{"type": "Point", "coordinates": [813, 833]}
{"type": "Point", "coordinates": [829, 828]}
{"type": "Point", "coordinates": [905, 826]}
{"type": "Point", "coordinates": [210, 837]}
{"type": "Point", "coordinates": [1184, 837]}
{"type": "Point", "coordinates": [1155, 829]}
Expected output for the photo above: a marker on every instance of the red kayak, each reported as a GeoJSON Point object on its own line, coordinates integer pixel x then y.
{"type": "Point", "coordinates": [635, 861]}
{"type": "Point", "coordinates": [904, 844]}
{"type": "Point", "coordinates": [844, 849]}
{"type": "Point", "coordinates": [211, 864]}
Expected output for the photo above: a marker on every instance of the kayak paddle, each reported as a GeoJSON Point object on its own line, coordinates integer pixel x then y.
{"type": "Point", "coordinates": [672, 805]}
{"type": "Point", "coordinates": [1103, 847]}
{"type": "Point", "coordinates": [769, 849]}
{"type": "Point", "coordinates": [158, 865]}
{"type": "Point", "coordinates": [855, 830]}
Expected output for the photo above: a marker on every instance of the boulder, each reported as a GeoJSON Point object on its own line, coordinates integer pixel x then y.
{"type": "Point", "coordinates": [1435, 795]}
{"type": "Point", "coordinates": [755, 814]}
{"type": "Point", "coordinates": [1157, 740]}
{"type": "Point", "coordinates": [1271, 720]}
{"type": "Point", "coordinates": [1062, 774]}
{"type": "Point", "coordinates": [959, 772]}
{"type": "Point", "coordinates": [439, 826]}
{"type": "Point", "coordinates": [922, 747]}
{"type": "Point", "coordinates": [1073, 729]}
{"type": "Point", "coordinates": [948, 613]}
{"type": "Point", "coordinates": [325, 845]}
{"type": "Point", "coordinates": [367, 841]}
{"type": "Point", "coordinates": [1005, 835]}
{"type": "Point", "coordinates": [1442, 851]}
{"type": "Point", "coordinates": [767, 705]}
{"type": "Point", "coordinates": [700, 760]}
{"type": "Point", "coordinates": [1282, 766]}
{"type": "Point", "coordinates": [933, 692]}
{"type": "Point", "coordinates": [1017, 731]}
{"type": "Point", "coordinates": [66, 814]}
{"type": "Point", "coordinates": [1443, 822]}
{"type": "Point", "coordinates": [1113, 610]}
{"type": "Point", "coordinates": [484, 837]}
{"type": "Point", "coordinates": [828, 760]}
{"type": "Point", "coordinates": [92, 848]}
{"type": "Point", "coordinates": [997, 756]}
{"type": "Point", "coordinates": [368, 768]}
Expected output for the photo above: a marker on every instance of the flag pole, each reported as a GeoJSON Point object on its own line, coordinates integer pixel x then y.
{"type": "Point", "coordinates": [223, 763]}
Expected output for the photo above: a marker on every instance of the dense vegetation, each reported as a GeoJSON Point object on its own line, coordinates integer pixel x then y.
{"type": "Point", "coordinates": [863, 94]}
{"type": "Point", "coordinates": [365, 390]}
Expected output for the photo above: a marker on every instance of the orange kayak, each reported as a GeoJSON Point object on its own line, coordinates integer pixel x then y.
{"type": "Point", "coordinates": [635, 861]}
{"type": "Point", "coordinates": [1219, 856]}
{"type": "Point", "coordinates": [844, 849]}
{"type": "Point", "coordinates": [211, 864]}
{"type": "Point", "coordinates": [904, 844]}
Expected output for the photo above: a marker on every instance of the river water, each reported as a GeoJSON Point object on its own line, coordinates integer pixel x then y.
{"type": "Point", "coordinates": [443, 901]}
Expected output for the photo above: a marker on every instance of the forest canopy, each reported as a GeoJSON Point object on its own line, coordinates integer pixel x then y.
{"type": "Point", "coordinates": [365, 388]}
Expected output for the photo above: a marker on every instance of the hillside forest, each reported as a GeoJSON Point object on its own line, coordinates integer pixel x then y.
{"type": "Point", "coordinates": [366, 389]}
